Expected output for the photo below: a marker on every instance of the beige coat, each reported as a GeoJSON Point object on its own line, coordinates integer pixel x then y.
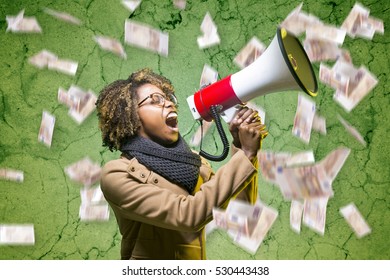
{"type": "Point", "coordinates": [161, 220]}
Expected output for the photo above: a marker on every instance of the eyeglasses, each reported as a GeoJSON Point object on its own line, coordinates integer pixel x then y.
{"type": "Point", "coordinates": [158, 99]}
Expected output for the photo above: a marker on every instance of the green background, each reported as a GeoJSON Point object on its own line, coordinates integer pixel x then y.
{"type": "Point", "coordinates": [50, 200]}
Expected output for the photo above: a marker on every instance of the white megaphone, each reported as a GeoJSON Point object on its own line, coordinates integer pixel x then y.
{"type": "Point", "coordinates": [283, 66]}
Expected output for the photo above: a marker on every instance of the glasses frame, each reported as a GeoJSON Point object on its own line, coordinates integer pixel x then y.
{"type": "Point", "coordinates": [170, 97]}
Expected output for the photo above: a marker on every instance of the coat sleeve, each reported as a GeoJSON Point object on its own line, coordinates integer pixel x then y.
{"type": "Point", "coordinates": [151, 204]}
{"type": "Point", "coordinates": [250, 192]}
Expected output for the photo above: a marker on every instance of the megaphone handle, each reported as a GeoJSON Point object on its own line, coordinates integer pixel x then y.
{"type": "Point", "coordinates": [215, 115]}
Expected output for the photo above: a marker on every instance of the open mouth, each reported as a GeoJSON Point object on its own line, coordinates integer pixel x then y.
{"type": "Point", "coordinates": [171, 120]}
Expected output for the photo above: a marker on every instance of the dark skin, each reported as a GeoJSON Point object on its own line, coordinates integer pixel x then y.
{"type": "Point", "coordinates": [247, 131]}
{"type": "Point", "coordinates": [154, 118]}
{"type": "Point", "coordinates": [159, 123]}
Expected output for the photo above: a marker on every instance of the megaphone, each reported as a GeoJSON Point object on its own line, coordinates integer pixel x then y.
{"type": "Point", "coordinates": [283, 66]}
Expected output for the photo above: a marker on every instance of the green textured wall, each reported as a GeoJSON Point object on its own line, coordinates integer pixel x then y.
{"type": "Point", "coordinates": [50, 200]}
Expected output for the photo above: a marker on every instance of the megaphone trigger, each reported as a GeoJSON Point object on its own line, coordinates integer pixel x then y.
{"type": "Point", "coordinates": [263, 134]}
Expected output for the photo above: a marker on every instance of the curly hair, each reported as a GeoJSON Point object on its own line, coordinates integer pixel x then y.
{"type": "Point", "coordinates": [117, 106]}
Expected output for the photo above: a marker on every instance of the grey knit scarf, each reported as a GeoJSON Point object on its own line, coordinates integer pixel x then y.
{"type": "Point", "coordinates": [177, 163]}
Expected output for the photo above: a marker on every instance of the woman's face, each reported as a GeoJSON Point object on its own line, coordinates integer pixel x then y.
{"type": "Point", "coordinates": [158, 121]}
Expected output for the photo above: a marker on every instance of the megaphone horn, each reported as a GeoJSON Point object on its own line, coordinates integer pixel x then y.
{"type": "Point", "coordinates": [283, 66]}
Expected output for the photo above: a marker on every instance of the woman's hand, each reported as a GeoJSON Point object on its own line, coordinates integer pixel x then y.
{"type": "Point", "coordinates": [247, 131]}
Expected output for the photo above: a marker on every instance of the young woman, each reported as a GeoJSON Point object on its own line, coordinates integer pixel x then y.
{"type": "Point", "coordinates": [163, 193]}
